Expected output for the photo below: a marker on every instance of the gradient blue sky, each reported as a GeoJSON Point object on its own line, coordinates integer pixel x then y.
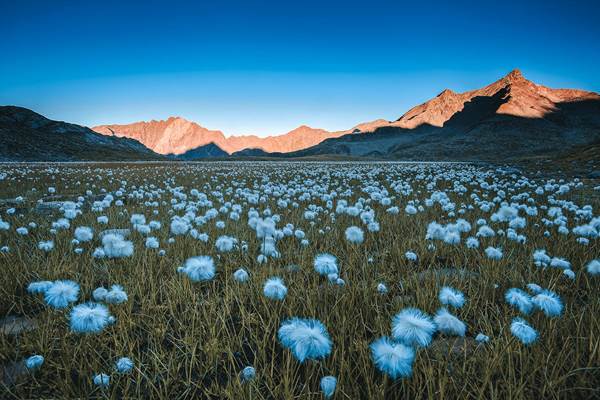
{"type": "Point", "coordinates": [266, 67]}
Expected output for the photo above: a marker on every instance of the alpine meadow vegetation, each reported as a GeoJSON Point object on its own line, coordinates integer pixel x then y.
{"type": "Point", "coordinates": [297, 280]}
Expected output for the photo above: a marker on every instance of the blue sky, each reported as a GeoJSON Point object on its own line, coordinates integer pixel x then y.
{"type": "Point", "coordinates": [266, 67]}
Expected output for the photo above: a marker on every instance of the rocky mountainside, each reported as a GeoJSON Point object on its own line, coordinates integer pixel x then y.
{"type": "Point", "coordinates": [554, 113]}
{"type": "Point", "coordinates": [177, 135]}
{"type": "Point", "coordinates": [210, 150]}
{"type": "Point", "coordinates": [523, 99]}
{"type": "Point", "coordinates": [28, 136]}
{"type": "Point", "coordinates": [513, 117]}
{"type": "Point", "coordinates": [510, 118]}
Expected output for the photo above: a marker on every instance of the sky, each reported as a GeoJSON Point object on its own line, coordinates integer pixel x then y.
{"type": "Point", "coordinates": [264, 67]}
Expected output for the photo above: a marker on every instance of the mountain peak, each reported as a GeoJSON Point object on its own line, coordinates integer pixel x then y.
{"type": "Point", "coordinates": [176, 118]}
{"type": "Point", "coordinates": [514, 75]}
{"type": "Point", "coordinates": [512, 95]}
{"type": "Point", "coordinates": [303, 127]}
{"type": "Point", "coordinates": [446, 93]}
{"type": "Point", "coordinates": [517, 96]}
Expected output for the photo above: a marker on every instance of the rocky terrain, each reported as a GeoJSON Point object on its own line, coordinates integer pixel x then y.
{"type": "Point", "coordinates": [506, 118]}
{"type": "Point", "coordinates": [177, 135]}
{"type": "Point", "coordinates": [28, 136]}
{"type": "Point", "coordinates": [510, 119]}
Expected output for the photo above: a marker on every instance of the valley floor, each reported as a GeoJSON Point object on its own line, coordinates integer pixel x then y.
{"type": "Point", "coordinates": [259, 279]}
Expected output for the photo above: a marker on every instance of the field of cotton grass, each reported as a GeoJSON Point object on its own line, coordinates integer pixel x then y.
{"type": "Point", "coordinates": [297, 281]}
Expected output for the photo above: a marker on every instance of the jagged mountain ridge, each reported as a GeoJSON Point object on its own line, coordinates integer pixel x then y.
{"type": "Point", "coordinates": [176, 135]}
{"type": "Point", "coordinates": [524, 99]}
{"type": "Point", "coordinates": [512, 117]}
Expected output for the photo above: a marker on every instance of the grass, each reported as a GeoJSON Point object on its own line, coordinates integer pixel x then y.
{"type": "Point", "coordinates": [191, 340]}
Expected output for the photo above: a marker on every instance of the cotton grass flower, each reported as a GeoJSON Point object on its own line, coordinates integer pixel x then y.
{"type": "Point", "coordinates": [46, 246]}
{"type": "Point", "coordinates": [448, 324]}
{"type": "Point", "coordinates": [410, 209]}
{"type": "Point", "coordinates": [115, 246]}
{"type": "Point", "coordinates": [179, 226]}
{"type": "Point", "coordinates": [84, 234]}
{"type": "Point", "coordinates": [523, 331]}
{"type": "Point", "coordinates": [89, 318]}
{"type": "Point", "coordinates": [569, 273]}
{"type": "Point", "coordinates": [326, 264]}
{"type": "Point", "coordinates": [373, 226]}
{"type": "Point", "coordinates": [61, 293]}
{"type": "Point", "coordinates": [561, 263]}
{"type": "Point", "coordinates": [391, 358]}
{"type": "Point", "coordinates": [519, 299]}
{"type": "Point", "coordinates": [593, 268]}
{"type": "Point", "coordinates": [485, 232]}
{"type": "Point", "coordinates": [198, 269]}
{"type": "Point", "coordinates": [275, 289]}
{"type": "Point", "coordinates": [548, 302]}
{"type": "Point", "coordinates": [327, 385]}
{"type": "Point", "coordinates": [354, 235]}
{"type": "Point", "coordinates": [493, 253]}
{"type": "Point", "coordinates": [99, 294]}
{"type": "Point", "coordinates": [472, 243]}
{"type": "Point", "coordinates": [451, 297]}
{"type": "Point", "coordinates": [124, 365]}
{"type": "Point", "coordinates": [452, 237]}
{"type": "Point", "coordinates": [481, 338]}
{"type": "Point", "coordinates": [99, 253]}
{"type": "Point", "coordinates": [137, 219]}
{"type": "Point", "coordinates": [102, 381]}
{"type": "Point", "coordinates": [248, 373]}
{"type": "Point", "coordinates": [34, 362]}
{"type": "Point", "coordinates": [241, 275]}
{"type": "Point", "coordinates": [152, 242]}
{"type": "Point", "coordinates": [307, 339]}
{"type": "Point", "coordinates": [541, 259]}
{"type": "Point", "coordinates": [413, 327]}
{"type": "Point", "coordinates": [225, 244]}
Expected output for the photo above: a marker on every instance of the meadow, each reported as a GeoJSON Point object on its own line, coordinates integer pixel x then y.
{"type": "Point", "coordinates": [307, 280]}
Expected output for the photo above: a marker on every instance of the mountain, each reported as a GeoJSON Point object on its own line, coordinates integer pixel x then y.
{"type": "Point", "coordinates": [28, 136]}
{"type": "Point", "coordinates": [512, 113]}
{"type": "Point", "coordinates": [172, 136]}
{"type": "Point", "coordinates": [253, 153]}
{"type": "Point", "coordinates": [177, 135]}
{"type": "Point", "coordinates": [510, 118]}
{"type": "Point", "coordinates": [523, 99]}
{"type": "Point", "coordinates": [210, 150]}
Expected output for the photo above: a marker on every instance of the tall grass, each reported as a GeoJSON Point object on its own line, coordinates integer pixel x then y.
{"type": "Point", "coordinates": [192, 340]}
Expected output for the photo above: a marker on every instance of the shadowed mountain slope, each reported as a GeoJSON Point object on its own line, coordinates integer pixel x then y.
{"type": "Point", "coordinates": [510, 118]}
{"type": "Point", "coordinates": [458, 121]}
{"type": "Point", "coordinates": [210, 150]}
{"type": "Point", "coordinates": [28, 136]}
{"type": "Point", "coordinates": [177, 135]}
